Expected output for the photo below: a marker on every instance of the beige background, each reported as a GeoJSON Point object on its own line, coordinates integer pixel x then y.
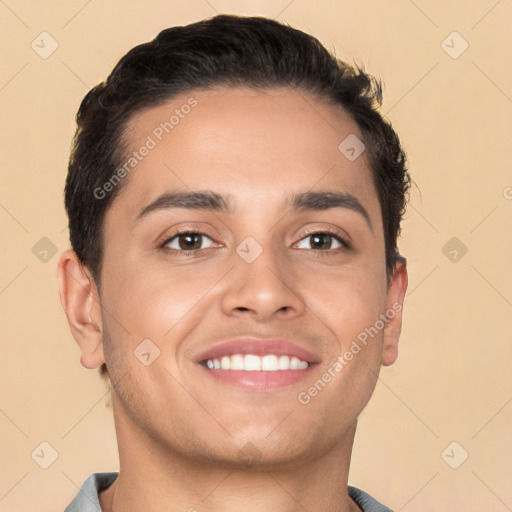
{"type": "Point", "coordinates": [453, 378]}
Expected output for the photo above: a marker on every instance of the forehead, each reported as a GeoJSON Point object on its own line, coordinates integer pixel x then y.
{"type": "Point", "coordinates": [252, 144]}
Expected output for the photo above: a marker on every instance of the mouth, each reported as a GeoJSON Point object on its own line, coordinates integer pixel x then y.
{"type": "Point", "coordinates": [257, 364]}
{"type": "Point", "coordinates": [253, 362]}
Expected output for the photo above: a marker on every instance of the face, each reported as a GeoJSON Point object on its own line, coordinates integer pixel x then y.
{"type": "Point", "coordinates": [244, 238]}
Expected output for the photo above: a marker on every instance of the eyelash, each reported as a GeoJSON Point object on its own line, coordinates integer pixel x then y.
{"type": "Point", "coordinates": [192, 252]}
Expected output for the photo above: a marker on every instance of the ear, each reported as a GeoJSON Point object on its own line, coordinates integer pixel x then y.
{"type": "Point", "coordinates": [395, 300]}
{"type": "Point", "coordinates": [81, 302]}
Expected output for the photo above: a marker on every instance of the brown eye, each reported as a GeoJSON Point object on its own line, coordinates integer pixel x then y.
{"type": "Point", "coordinates": [322, 241]}
{"type": "Point", "coordinates": [191, 241]}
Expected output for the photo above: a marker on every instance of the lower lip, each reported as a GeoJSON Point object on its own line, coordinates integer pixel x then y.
{"type": "Point", "coordinates": [258, 380]}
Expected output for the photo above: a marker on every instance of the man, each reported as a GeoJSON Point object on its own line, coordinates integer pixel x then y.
{"type": "Point", "coordinates": [234, 203]}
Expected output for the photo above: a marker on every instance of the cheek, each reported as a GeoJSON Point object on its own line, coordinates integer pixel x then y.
{"type": "Point", "coordinates": [348, 301]}
{"type": "Point", "coordinates": [349, 308]}
{"type": "Point", "coordinates": [150, 301]}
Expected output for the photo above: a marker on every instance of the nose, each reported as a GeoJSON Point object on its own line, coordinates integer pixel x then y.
{"type": "Point", "coordinates": [263, 289]}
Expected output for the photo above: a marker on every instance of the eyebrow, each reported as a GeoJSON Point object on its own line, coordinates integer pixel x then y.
{"type": "Point", "coordinates": [212, 201]}
{"type": "Point", "coordinates": [318, 201]}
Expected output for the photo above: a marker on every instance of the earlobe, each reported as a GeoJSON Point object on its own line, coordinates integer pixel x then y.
{"type": "Point", "coordinates": [395, 300]}
{"type": "Point", "coordinates": [81, 303]}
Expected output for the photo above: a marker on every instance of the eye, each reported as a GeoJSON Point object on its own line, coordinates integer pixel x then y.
{"type": "Point", "coordinates": [323, 240]}
{"type": "Point", "coordinates": [188, 241]}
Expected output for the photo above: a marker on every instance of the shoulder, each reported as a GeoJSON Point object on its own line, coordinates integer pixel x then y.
{"type": "Point", "coordinates": [366, 502]}
{"type": "Point", "coordinates": [87, 499]}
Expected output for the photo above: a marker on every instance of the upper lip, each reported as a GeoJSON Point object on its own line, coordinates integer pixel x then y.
{"type": "Point", "coordinates": [258, 347]}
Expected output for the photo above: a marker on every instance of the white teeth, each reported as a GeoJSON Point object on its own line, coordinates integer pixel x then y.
{"type": "Point", "coordinates": [237, 362]}
{"type": "Point", "coordinates": [251, 363]}
{"type": "Point", "coordinates": [284, 363]}
{"type": "Point", "coordinates": [269, 363]}
{"type": "Point", "coordinates": [297, 364]}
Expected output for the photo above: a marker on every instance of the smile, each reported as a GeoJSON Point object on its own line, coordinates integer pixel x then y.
{"type": "Point", "coordinates": [251, 363]}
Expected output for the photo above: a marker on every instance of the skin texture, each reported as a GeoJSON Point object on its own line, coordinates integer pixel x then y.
{"type": "Point", "coordinates": [185, 439]}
